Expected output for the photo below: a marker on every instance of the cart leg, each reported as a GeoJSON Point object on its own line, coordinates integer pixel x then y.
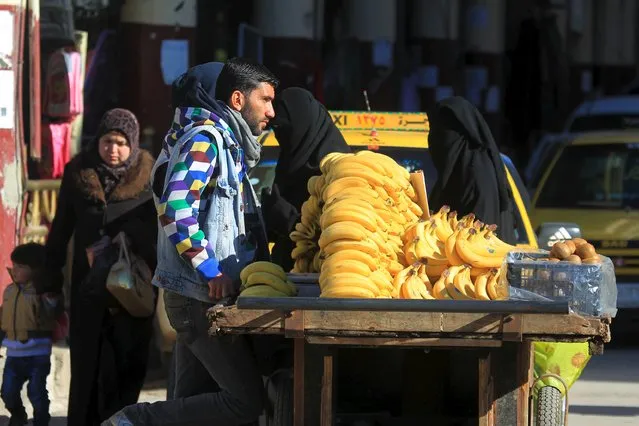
{"type": "Point", "coordinates": [308, 366]}
{"type": "Point", "coordinates": [512, 369]}
{"type": "Point", "coordinates": [298, 382]}
{"type": "Point", "coordinates": [328, 387]}
{"type": "Point", "coordinates": [486, 397]}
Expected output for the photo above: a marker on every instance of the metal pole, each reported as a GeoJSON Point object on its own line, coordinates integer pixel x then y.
{"type": "Point", "coordinates": [393, 305]}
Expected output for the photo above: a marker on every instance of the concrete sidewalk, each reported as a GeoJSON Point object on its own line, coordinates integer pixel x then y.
{"type": "Point", "coordinates": [58, 386]}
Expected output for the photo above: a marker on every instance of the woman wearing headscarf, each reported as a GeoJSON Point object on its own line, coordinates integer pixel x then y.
{"type": "Point", "coordinates": [104, 190]}
{"type": "Point", "coordinates": [305, 133]}
{"type": "Point", "coordinates": [471, 174]}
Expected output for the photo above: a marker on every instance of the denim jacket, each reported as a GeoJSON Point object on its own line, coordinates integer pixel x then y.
{"type": "Point", "coordinates": [221, 218]}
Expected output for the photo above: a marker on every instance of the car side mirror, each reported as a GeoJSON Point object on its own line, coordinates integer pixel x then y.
{"type": "Point", "coordinates": [550, 233]}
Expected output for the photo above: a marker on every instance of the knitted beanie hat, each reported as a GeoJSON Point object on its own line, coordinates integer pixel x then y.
{"type": "Point", "coordinates": [122, 121]}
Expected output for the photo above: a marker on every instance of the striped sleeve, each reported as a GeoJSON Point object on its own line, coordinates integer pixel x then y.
{"type": "Point", "coordinates": [180, 203]}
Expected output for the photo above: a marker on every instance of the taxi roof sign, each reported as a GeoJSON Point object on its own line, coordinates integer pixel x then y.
{"type": "Point", "coordinates": [386, 121]}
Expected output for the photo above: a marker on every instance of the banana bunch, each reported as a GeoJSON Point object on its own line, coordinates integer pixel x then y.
{"type": "Point", "coordinates": [457, 283]}
{"type": "Point", "coordinates": [265, 279]}
{"type": "Point", "coordinates": [425, 241]}
{"type": "Point", "coordinates": [367, 203]}
{"type": "Point", "coordinates": [413, 283]}
{"type": "Point", "coordinates": [461, 256]}
{"type": "Point", "coordinates": [306, 252]}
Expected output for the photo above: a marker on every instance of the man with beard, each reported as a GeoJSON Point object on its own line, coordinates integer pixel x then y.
{"type": "Point", "coordinates": [202, 193]}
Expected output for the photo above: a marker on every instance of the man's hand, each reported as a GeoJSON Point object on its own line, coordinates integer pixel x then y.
{"type": "Point", "coordinates": [220, 287]}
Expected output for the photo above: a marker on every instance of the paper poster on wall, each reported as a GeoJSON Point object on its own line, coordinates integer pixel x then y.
{"type": "Point", "coordinates": [7, 100]}
{"type": "Point", "coordinates": [6, 39]}
{"type": "Point", "coordinates": [174, 59]}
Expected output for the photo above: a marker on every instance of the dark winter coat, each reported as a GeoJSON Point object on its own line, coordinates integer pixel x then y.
{"type": "Point", "coordinates": [97, 351]}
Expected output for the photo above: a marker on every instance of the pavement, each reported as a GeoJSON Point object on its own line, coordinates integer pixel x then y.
{"type": "Point", "coordinates": [607, 393]}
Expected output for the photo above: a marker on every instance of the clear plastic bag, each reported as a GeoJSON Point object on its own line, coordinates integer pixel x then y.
{"type": "Point", "coordinates": [590, 289]}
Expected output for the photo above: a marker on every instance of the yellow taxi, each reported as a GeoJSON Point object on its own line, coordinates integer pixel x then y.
{"type": "Point", "coordinates": [591, 189]}
{"type": "Point", "coordinates": [404, 137]}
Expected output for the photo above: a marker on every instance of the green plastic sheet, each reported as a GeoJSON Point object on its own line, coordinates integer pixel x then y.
{"type": "Point", "coordinates": [566, 360]}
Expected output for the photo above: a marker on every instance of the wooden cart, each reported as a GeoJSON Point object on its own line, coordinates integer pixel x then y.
{"type": "Point", "coordinates": [502, 330]}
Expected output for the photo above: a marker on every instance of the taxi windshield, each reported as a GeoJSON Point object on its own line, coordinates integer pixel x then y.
{"type": "Point", "coordinates": [600, 176]}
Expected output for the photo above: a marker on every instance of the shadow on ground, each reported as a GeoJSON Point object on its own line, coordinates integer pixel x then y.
{"type": "Point", "coordinates": [55, 421]}
{"type": "Point", "coordinates": [604, 410]}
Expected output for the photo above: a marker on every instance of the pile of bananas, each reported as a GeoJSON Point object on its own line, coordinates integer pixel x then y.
{"type": "Point", "coordinates": [265, 279]}
{"type": "Point", "coordinates": [367, 202]}
{"type": "Point", "coordinates": [306, 252]}
{"type": "Point", "coordinates": [461, 257]}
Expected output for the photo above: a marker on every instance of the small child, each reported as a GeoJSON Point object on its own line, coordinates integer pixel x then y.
{"type": "Point", "coordinates": [29, 315]}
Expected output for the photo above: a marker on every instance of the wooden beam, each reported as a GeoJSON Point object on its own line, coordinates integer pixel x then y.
{"type": "Point", "coordinates": [486, 393]}
{"type": "Point", "coordinates": [407, 342]}
{"type": "Point", "coordinates": [328, 386]}
{"type": "Point", "coordinates": [558, 327]}
{"type": "Point", "coordinates": [525, 376]}
{"type": "Point", "coordinates": [298, 382]}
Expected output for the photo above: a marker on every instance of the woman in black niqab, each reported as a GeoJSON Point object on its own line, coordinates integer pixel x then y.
{"type": "Point", "coordinates": [471, 174]}
{"type": "Point", "coordinates": [305, 133]}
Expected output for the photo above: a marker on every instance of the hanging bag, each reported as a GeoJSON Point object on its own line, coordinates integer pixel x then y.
{"type": "Point", "coordinates": [129, 281]}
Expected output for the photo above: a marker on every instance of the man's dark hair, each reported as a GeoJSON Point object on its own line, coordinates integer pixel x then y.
{"type": "Point", "coordinates": [244, 75]}
{"type": "Point", "coordinates": [29, 254]}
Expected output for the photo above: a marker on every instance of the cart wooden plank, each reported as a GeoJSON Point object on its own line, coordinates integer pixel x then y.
{"type": "Point", "coordinates": [552, 327]}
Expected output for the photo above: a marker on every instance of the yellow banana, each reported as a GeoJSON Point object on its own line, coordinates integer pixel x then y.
{"type": "Point", "coordinates": [366, 246]}
{"type": "Point", "coordinates": [481, 282]}
{"type": "Point", "coordinates": [342, 231]}
{"type": "Point", "coordinates": [319, 186]}
{"type": "Point", "coordinates": [334, 188]}
{"type": "Point", "coordinates": [451, 252]}
{"type": "Point", "coordinates": [353, 254]}
{"type": "Point", "coordinates": [391, 165]}
{"type": "Point", "coordinates": [269, 279]}
{"type": "Point", "coordinates": [354, 266]}
{"type": "Point", "coordinates": [351, 214]}
{"type": "Point", "coordinates": [452, 219]}
{"type": "Point", "coordinates": [348, 292]}
{"type": "Point", "coordinates": [400, 277]}
{"type": "Point", "coordinates": [308, 230]}
{"type": "Point", "coordinates": [356, 170]}
{"type": "Point", "coordinates": [297, 236]}
{"type": "Point", "coordinates": [450, 282]}
{"type": "Point", "coordinates": [382, 281]}
{"type": "Point", "coordinates": [355, 204]}
{"type": "Point", "coordinates": [464, 284]}
{"type": "Point", "coordinates": [439, 288]}
{"type": "Point", "coordinates": [496, 289]}
{"type": "Point", "coordinates": [475, 272]}
{"type": "Point", "coordinates": [347, 279]}
{"type": "Point", "coordinates": [473, 253]}
{"type": "Point", "coordinates": [302, 247]}
{"type": "Point", "coordinates": [421, 273]}
{"type": "Point", "coordinates": [311, 185]}
{"type": "Point", "coordinates": [330, 159]}
{"type": "Point", "coordinates": [367, 161]}
{"type": "Point", "coordinates": [263, 266]}
{"type": "Point", "coordinates": [390, 216]}
{"type": "Point", "coordinates": [317, 262]}
{"type": "Point", "coordinates": [261, 291]}
{"type": "Point", "coordinates": [410, 251]}
{"type": "Point", "coordinates": [410, 233]}
{"type": "Point", "coordinates": [435, 271]}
